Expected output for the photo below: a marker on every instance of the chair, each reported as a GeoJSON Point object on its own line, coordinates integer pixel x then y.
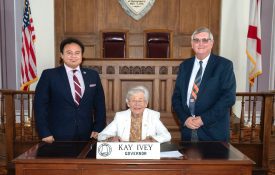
{"type": "Point", "coordinates": [158, 45]}
{"type": "Point", "coordinates": [114, 44]}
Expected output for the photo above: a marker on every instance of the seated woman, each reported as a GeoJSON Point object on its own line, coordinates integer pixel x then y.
{"type": "Point", "coordinates": [136, 124]}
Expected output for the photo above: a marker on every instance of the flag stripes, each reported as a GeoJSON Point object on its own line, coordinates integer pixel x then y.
{"type": "Point", "coordinates": [254, 49]}
{"type": "Point", "coordinates": [28, 62]}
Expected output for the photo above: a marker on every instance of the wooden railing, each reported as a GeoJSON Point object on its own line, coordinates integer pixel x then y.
{"type": "Point", "coordinates": [17, 122]}
{"type": "Point", "coordinates": [252, 124]}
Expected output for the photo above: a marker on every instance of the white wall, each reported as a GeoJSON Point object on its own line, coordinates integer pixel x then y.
{"type": "Point", "coordinates": [234, 22]}
{"type": "Point", "coordinates": [234, 25]}
{"type": "Point", "coordinates": [272, 65]}
{"type": "Point", "coordinates": [43, 16]}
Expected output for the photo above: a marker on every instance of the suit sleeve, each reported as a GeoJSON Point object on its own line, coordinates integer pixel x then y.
{"type": "Point", "coordinates": [41, 105]}
{"type": "Point", "coordinates": [180, 106]}
{"type": "Point", "coordinates": [110, 131]}
{"type": "Point", "coordinates": [225, 100]}
{"type": "Point", "coordinates": [162, 134]}
{"type": "Point", "coordinates": [99, 107]}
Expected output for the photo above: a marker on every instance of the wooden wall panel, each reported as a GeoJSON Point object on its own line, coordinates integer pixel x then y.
{"type": "Point", "coordinates": [193, 14]}
{"type": "Point", "coordinates": [80, 16]}
{"type": "Point", "coordinates": [157, 75]}
{"type": "Point", "coordinates": [161, 100]}
{"type": "Point", "coordinates": [112, 15]}
{"type": "Point", "coordinates": [135, 44]}
{"type": "Point", "coordinates": [85, 19]}
{"type": "Point", "coordinates": [89, 52]}
{"type": "Point", "coordinates": [157, 16]}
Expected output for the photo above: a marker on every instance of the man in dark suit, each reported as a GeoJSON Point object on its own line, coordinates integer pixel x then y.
{"type": "Point", "coordinates": [202, 102]}
{"type": "Point", "coordinates": [69, 100]}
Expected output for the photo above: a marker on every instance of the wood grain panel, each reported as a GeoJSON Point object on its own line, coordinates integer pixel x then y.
{"type": "Point", "coordinates": [157, 75]}
{"type": "Point", "coordinates": [136, 39]}
{"type": "Point", "coordinates": [157, 16]}
{"type": "Point", "coordinates": [80, 16]}
{"type": "Point", "coordinates": [161, 98]}
{"type": "Point", "coordinates": [136, 52]}
{"type": "Point", "coordinates": [193, 14]}
{"type": "Point", "coordinates": [109, 94]}
{"type": "Point", "coordinates": [84, 19]}
{"type": "Point", "coordinates": [90, 51]}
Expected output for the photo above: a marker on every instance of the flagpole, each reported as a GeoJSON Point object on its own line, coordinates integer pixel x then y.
{"type": "Point", "coordinates": [249, 98]}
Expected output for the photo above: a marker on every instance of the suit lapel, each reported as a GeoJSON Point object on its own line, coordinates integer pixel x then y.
{"type": "Point", "coordinates": [86, 84]}
{"type": "Point", "coordinates": [144, 124]}
{"type": "Point", "coordinates": [66, 85]}
{"type": "Point", "coordinates": [207, 73]}
{"type": "Point", "coordinates": [127, 125]}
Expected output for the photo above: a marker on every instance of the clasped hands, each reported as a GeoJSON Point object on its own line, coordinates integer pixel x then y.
{"type": "Point", "coordinates": [193, 122]}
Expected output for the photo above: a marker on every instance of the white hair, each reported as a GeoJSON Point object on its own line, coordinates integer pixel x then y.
{"type": "Point", "coordinates": [136, 90]}
{"type": "Point", "coordinates": [200, 30]}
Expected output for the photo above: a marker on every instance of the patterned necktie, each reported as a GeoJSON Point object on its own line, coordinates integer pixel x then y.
{"type": "Point", "coordinates": [136, 127]}
{"type": "Point", "coordinates": [77, 89]}
{"type": "Point", "coordinates": [193, 98]}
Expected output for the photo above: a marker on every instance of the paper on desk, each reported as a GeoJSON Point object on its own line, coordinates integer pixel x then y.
{"type": "Point", "coordinates": [170, 154]}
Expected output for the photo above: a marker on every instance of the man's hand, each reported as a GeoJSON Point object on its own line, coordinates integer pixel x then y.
{"type": "Point", "coordinates": [94, 135]}
{"type": "Point", "coordinates": [48, 139]}
{"type": "Point", "coordinates": [193, 122]}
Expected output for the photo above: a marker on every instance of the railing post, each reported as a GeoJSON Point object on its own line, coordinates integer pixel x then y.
{"type": "Point", "coordinates": [267, 129]}
{"type": "Point", "coordinates": [10, 125]}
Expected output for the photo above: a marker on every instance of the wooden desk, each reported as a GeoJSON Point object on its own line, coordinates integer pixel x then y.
{"type": "Point", "coordinates": [74, 158]}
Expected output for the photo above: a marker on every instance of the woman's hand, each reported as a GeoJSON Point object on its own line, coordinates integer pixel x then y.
{"type": "Point", "coordinates": [149, 139]}
{"type": "Point", "coordinates": [114, 139]}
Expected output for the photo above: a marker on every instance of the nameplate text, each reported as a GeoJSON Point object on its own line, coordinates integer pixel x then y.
{"type": "Point", "coordinates": [128, 150]}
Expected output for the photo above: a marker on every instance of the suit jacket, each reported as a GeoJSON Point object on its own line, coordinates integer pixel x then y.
{"type": "Point", "coordinates": [151, 126]}
{"type": "Point", "coordinates": [56, 113]}
{"type": "Point", "coordinates": [217, 93]}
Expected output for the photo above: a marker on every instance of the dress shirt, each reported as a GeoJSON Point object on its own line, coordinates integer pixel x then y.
{"type": "Point", "coordinates": [78, 74]}
{"type": "Point", "coordinates": [196, 67]}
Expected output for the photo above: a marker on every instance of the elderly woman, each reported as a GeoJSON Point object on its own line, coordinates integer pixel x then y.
{"type": "Point", "coordinates": [138, 123]}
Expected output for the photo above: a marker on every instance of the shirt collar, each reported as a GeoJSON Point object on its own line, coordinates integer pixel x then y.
{"type": "Point", "coordinates": [204, 61]}
{"type": "Point", "coordinates": [69, 69]}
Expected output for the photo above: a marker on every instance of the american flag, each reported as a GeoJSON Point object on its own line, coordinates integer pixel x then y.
{"type": "Point", "coordinates": [28, 63]}
{"type": "Point", "coordinates": [254, 49]}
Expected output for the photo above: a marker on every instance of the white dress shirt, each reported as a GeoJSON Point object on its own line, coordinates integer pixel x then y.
{"type": "Point", "coordinates": [78, 74]}
{"type": "Point", "coordinates": [196, 67]}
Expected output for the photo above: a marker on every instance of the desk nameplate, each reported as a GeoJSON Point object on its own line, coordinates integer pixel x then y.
{"type": "Point", "coordinates": [128, 150]}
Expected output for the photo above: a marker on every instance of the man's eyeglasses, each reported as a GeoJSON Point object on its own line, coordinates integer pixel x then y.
{"type": "Point", "coordinates": [203, 40]}
{"type": "Point", "coordinates": [71, 54]}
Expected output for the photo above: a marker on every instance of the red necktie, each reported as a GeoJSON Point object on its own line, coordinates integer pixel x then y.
{"type": "Point", "coordinates": [77, 89]}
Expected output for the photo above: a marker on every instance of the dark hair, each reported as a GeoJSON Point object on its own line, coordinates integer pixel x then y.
{"type": "Point", "coordinates": [70, 41]}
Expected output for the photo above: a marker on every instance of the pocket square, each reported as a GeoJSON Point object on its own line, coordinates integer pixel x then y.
{"type": "Point", "coordinates": [92, 85]}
